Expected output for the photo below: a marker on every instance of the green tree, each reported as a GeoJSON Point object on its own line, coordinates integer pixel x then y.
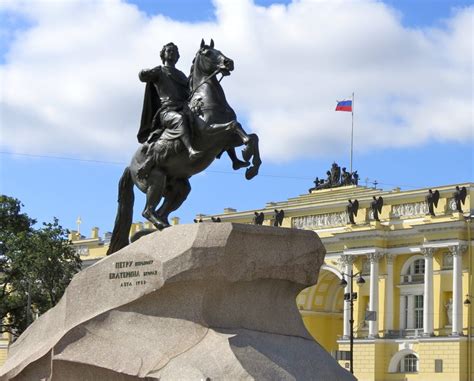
{"type": "Point", "coordinates": [36, 265]}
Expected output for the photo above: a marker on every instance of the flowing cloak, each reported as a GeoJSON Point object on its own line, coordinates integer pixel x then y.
{"type": "Point", "coordinates": [151, 104]}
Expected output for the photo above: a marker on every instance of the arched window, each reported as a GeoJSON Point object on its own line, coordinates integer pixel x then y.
{"type": "Point", "coordinates": [415, 272]}
{"type": "Point", "coordinates": [404, 361]}
{"type": "Point", "coordinates": [408, 364]}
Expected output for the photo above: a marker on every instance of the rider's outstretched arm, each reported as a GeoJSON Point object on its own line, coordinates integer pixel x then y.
{"type": "Point", "coordinates": [149, 75]}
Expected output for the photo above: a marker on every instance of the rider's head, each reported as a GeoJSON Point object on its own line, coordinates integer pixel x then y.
{"type": "Point", "coordinates": [169, 53]}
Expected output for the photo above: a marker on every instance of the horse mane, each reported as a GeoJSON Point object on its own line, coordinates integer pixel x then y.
{"type": "Point", "coordinates": [191, 71]}
{"type": "Point", "coordinates": [190, 78]}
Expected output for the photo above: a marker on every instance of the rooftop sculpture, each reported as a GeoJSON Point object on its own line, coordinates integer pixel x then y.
{"type": "Point", "coordinates": [352, 209]}
{"type": "Point", "coordinates": [432, 199]}
{"type": "Point", "coordinates": [376, 206]}
{"type": "Point", "coordinates": [336, 178]}
{"type": "Point", "coordinates": [460, 197]}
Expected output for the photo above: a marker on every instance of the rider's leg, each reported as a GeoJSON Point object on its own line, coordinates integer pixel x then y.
{"type": "Point", "coordinates": [182, 124]}
{"type": "Point", "coordinates": [193, 154]}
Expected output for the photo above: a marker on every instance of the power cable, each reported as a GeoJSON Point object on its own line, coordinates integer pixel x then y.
{"type": "Point", "coordinates": [367, 180]}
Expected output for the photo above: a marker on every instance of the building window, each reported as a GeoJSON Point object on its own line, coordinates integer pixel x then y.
{"type": "Point", "coordinates": [411, 313]}
{"type": "Point", "coordinates": [418, 311]}
{"type": "Point", "coordinates": [419, 266]}
{"type": "Point", "coordinates": [415, 273]}
{"type": "Point", "coordinates": [408, 364]}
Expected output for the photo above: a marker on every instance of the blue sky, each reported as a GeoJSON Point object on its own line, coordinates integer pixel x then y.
{"type": "Point", "coordinates": [409, 132]}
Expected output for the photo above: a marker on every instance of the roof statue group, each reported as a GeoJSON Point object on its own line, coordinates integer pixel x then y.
{"type": "Point", "coordinates": [459, 197]}
{"type": "Point", "coordinates": [186, 123]}
{"type": "Point", "coordinates": [375, 206]}
{"type": "Point", "coordinates": [277, 218]}
{"type": "Point", "coordinates": [336, 178]}
{"type": "Point", "coordinates": [432, 199]}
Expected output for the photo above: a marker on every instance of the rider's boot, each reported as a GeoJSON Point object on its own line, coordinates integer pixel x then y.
{"type": "Point", "coordinates": [193, 154]}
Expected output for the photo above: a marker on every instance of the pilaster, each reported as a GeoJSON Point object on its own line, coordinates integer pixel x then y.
{"type": "Point", "coordinates": [389, 293]}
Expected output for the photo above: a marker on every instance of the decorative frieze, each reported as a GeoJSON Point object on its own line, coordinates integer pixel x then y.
{"type": "Point", "coordinates": [452, 204]}
{"type": "Point", "coordinates": [410, 209]}
{"type": "Point", "coordinates": [370, 213]}
{"type": "Point", "coordinates": [320, 220]}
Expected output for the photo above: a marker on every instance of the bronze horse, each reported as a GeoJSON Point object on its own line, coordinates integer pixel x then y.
{"type": "Point", "coordinates": [215, 130]}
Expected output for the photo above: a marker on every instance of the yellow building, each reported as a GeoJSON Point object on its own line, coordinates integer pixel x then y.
{"type": "Point", "coordinates": [417, 270]}
{"type": "Point", "coordinates": [418, 280]}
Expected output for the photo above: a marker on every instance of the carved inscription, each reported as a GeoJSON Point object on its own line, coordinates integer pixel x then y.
{"type": "Point", "coordinates": [320, 220]}
{"type": "Point", "coordinates": [410, 209]}
{"type": "Point", "coordinates": [133, 273]}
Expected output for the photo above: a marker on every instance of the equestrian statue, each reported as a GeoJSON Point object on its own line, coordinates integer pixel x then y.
{"type": "Point", "coordinates": [186, 123]}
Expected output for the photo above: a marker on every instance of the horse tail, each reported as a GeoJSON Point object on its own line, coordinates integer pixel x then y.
{"type": "Point", "coordinates": [123, 220]}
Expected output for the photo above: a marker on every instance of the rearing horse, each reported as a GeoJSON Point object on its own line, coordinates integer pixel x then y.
{"type": "Point", "coordinates": [215, 130]}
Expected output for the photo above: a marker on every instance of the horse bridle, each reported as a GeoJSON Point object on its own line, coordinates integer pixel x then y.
{"type": "Point", "coordinates": [213, 74]}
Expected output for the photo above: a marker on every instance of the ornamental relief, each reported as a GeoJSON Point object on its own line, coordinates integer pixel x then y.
{"type": "Point", "coordinates": [410, 209]}
{"type": "Point", "coordinates": [452, 204]}
{"type": "Point", "coordinates": [320, 220]}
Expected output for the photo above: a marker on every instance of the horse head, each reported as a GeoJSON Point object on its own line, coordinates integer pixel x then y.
{"type": "Point", "coordinates": [210, 62]}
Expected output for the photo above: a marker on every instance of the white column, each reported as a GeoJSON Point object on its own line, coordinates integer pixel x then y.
{"type": "Point", "coordinates": [428, 292]}
{"type": "Point", "coordinates": [374, 293]}
{"type": "Point", "coordinates": [347, 261]}
{"type": "Point", "coordinates": [389, 293]}
{"type": "Point", "coordinates": [457, 252]}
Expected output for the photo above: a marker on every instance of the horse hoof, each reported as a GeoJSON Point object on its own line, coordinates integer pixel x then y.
{"type": "Point", "coordinates": [140, 234]}
{"type": "Point", "coordinates": [161, 226]}
{"type": "Point", "coordinates": [240, 164]}
{"type": "Point", "coordinates": [251, 172]}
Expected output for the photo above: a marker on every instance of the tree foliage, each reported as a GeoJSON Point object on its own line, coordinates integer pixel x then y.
{"type": "Point", "coordinates": [35, 262]}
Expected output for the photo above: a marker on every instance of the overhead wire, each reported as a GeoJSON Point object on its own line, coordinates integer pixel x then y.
{"type": "Point", "coordinates": [366, 180]}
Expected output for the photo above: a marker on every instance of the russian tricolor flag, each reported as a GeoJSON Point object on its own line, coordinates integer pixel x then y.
{"type": "Point", "coordinates": [344, 106]}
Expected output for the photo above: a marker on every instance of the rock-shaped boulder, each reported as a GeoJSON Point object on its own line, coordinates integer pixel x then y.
{"type": "Point", "coordinates": [192, 302]}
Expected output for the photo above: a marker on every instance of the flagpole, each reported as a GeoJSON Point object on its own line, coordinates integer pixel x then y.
{"type": "Point", "coordinates": [352, 130]}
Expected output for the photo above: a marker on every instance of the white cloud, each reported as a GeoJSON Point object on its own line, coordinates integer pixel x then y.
{"type": "Point", "coordinates": [70, 81]}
